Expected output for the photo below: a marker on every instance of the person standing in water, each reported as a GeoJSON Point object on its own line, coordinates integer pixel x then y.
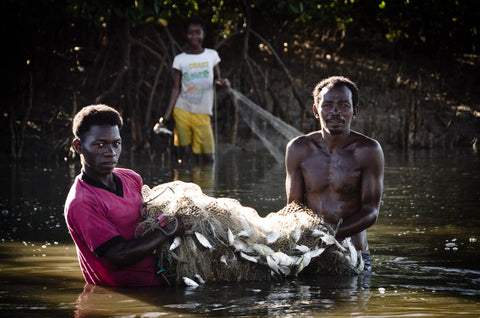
{"type": "Point", "coordinates": [337, 172]}
{"type": "Point", "coordinates": [103, 208]}
{"type": "Point", "coordinates": [192, 96]}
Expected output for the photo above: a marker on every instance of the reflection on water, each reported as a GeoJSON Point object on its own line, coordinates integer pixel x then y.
{"type": "Point", "coordinates": [425, 245]}
{"type": "Point", "coordinates": [289, 297]}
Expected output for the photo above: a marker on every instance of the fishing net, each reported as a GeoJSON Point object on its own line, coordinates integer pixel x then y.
{"type": "Point", "coordinates": [226, 241]}
{"type": "Point", "coordinates": [272, 131]}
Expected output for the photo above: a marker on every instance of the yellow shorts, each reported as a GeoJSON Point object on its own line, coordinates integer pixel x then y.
{"type": "Point", "coordinates": [193, 129]}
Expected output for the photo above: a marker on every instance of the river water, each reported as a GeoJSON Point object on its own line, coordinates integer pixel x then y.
{"type": "Point", "coordinates": [425, 247]}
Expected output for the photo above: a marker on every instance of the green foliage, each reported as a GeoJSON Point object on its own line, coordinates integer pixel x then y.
{"type": "Point", "coordinates": [450, 26]}
{"type": "Point", "coordinates": [75, 49]}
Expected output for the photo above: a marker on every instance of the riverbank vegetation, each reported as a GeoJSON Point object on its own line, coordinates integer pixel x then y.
{"type": "Point", "coordinates": [416, 64]}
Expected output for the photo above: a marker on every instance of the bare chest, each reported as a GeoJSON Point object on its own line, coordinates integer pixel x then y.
{"type": "Point", "coordinates": [335, 173]}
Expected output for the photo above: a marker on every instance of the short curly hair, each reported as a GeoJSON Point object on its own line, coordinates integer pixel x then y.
{"type": "Point", "coordinates": [99, 114]}
{"type": "Point", "coordinates": [336, 81]}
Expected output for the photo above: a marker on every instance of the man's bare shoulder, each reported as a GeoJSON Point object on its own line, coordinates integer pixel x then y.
{"type": "Point", "coordinates": [302, 141]}
{"type": "Point", "coordinates": [367, 148]}
{"type": "Point", "coordinates": [300, 148]}
{"type": "Point", "coordinates": [361, 141]}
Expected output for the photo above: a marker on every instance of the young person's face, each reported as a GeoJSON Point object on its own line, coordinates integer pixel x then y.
{"type": "Point", "coordinates": [100, 150]}
{"type": "Point", "coordinates": [336, 109]}
{"type": "Point", "coordinates": [195, 35]}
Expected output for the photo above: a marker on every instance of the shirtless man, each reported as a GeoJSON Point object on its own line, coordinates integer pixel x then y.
{"type": "Point", "coordinates": [337, 172]}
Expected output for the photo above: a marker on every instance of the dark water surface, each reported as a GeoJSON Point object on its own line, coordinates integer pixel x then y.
{"type": "Point", "coordinates": [424, 246]}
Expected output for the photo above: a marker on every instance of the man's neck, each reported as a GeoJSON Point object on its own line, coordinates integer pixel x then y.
{"type": "Point", "coordinates": [105, 179]}
{"type": "Point", "coordinates": [334, 141]}
{"type": "Point", "coordinates": [116, 187]}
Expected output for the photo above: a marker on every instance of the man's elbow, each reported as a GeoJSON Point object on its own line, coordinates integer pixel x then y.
{"type": "Point", "coordinates": [371, 218]}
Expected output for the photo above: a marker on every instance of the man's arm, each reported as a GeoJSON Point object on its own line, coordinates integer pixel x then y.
{"type": "Point", "coordinates": [126, 253]}
{"type": "Point", "coordinates": [294, 183]}
{"type": "Point", "coordinates": [372, 188]}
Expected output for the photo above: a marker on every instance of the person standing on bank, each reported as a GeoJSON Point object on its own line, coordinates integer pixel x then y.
{"type": "Point", "coordinates": [103, 208]}
{"type": "Point", "coordinates": [191, 101]}
{"type": "Point", "coordinates": [337, 172]}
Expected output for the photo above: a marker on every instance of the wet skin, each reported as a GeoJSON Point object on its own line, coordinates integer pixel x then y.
{"type": "Point", "coordinates": [336, 172]}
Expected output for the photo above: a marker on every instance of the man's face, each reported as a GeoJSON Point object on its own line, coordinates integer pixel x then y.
{"type": "Point", "coordinates": [100, 150]}
{"type": "Point", "coordinates": [336, 109]}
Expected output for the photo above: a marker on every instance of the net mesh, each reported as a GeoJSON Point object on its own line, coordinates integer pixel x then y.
{"type": "Point", "coordinates": [227, 242]}
{"type": "Point", "coordinates": [272, 131]}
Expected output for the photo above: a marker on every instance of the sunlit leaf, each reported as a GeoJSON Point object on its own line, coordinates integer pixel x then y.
{"type": "Point", "coordinates": [163, 22]}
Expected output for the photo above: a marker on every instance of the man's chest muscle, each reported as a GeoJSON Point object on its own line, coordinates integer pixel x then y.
{"type": "Point", "coordinates": [334, 173]}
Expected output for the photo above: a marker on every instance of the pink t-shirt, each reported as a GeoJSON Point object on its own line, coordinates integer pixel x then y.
{"type": "Point", "coordinates": [95, 216]}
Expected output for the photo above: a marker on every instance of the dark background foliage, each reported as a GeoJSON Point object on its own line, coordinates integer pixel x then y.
{"type": "Point", "coordinates": [416, 63]}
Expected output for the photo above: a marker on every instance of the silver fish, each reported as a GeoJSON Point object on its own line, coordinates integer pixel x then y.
{"type": "Point", "coordinates": [248, 257]}
{"type": "Point", "coordinates": [230, 237]}
{"type": "Point", "coordinates": [223, 259]}
{"type": "Point", "coordinates": [190, 282]}
{"type": "Point", "coordinates": [243, 234]}
{"type": "Point", "coordinates": [176, 242]}
{"type": "Point", "coordinates": [240, 246]}
{"type": "Point", "coordinates": [272, 264]}
{"type": "Point", "coordinates": [316, 252]}
{"type": "Point", "coordinates": [262, 249]}
{"type": "Point", "coordinates": [199, 279]}
{"type": "Point", "coordinates": [203, 240]}
{"type": "Point", "coordinates": [303, 262]}
{"type": "Point", "coordinates": [302, 248]}
{"type": "Point", "coordinates": [282, 259]}
{"type": "Point", "coordinates": [328, 239]}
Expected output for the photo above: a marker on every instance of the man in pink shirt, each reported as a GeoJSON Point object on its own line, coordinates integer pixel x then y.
{"type": "Point", "coordinates": [103, 207]}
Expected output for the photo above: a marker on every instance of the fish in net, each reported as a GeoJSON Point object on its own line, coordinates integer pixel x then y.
{"type": "Point", "coordinates": [227, 242]}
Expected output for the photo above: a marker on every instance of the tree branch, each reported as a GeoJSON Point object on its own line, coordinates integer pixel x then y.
{"type": "Point", "coordinates": [297, 95]}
